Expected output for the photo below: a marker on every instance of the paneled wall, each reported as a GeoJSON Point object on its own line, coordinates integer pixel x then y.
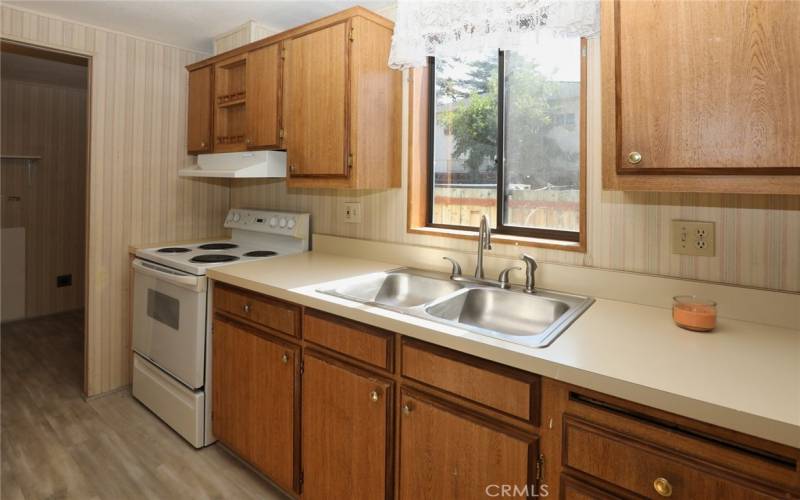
{"type": "Point", "coordinates": [47, 121]}
{"type": "Point", "coordinates": [138, 130]}
{"type": "Point", "coordinates": [758, 237]}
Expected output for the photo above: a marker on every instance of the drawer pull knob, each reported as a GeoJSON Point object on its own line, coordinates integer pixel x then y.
{"type": "Point", "coordinates": [246, 308]}
{"type": "Point", "coordinates": [662, 487]}
{"type": "Point", "coordinates": [285, 358]}
{"type": "Point", "coordinates": [635, 157]}
{"type": "Point", "coordinates": [374, 396]}
{"type": "Point", "coordinates": [407, 409]}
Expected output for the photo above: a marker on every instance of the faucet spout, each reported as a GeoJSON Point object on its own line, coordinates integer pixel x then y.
{"type": "Point", "coordinates": [484, 243]}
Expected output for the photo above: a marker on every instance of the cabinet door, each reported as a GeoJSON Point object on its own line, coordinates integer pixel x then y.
{"type": "Point", "coordinates": [315, 108]}
{"type": "Point", "coordinates": [263, 93]}
{"type": "Point", "coordinates": [446, 454]}
{"type": "Point", "coordinates": [707, 87]}
{"type": "Point", "coordinates": [254, 399]}
{"type": "Point", "coordinates": [345, 432]}
{"type": "Point", "coordinates": [198, 131]}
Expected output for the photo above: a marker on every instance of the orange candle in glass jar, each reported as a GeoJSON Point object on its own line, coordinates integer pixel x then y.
{"type": "Point", "coordinates": [693, 313]}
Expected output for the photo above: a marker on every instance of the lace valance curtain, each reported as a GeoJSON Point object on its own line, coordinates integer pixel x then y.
{"type": "Point", "coordinates": [446, 28]}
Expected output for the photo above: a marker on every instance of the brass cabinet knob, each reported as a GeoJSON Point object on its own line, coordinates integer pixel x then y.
{"type": "Point", "coordinates": [635, 157]}
{"type": "Point", "coordinates": [285, 358]}
{"type": "Point", "coordinates": [202, 144]}
{"type": "Point", "coordinates": [246, 308]}
{"type": "Point", "coordinates": [291, 168]}
{"type": "Point", "coordinates": [374, 396]}
{"type": "Point", "coordinates": [406, 409]}
{"type": "Point", "coordinates": [247, 141]}
{"type": "Point", "coordinates": [662, 487]}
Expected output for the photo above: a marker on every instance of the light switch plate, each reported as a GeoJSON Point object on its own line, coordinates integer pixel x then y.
{"type": "Point", "coordinates": [693, 238]}
{"type": "Point", "coordinates": [352, 212]}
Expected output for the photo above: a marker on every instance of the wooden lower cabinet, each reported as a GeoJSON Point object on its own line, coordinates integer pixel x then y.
{"type": "Point", "coordinates": [444, 453]}
{"type": "Point", "coordinates": [345, 436]}
{"type": "Point", "coordinates": [254, 399]}
{"type": "Point", "coordinates": [341, 410]}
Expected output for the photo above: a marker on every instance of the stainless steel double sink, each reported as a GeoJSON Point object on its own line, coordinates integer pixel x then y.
{"type": "Point", "coordinates": [533, 320]}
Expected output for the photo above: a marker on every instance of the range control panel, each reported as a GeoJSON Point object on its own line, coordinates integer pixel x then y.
{"type": "Point", "coordinates": [284, 223]}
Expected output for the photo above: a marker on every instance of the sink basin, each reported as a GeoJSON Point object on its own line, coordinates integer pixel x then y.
{"type": "Point", "coordinates": [396, 289]}
{"type": "Point", "coordinates": [502, 311]}
{"type": "Point", "coordinates": [529, 319]}
{"type": "Point", "coordinates": [534, 320]}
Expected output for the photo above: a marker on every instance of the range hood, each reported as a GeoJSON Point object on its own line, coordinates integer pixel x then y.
{"type": "Point", "coordinates": [247, 164]}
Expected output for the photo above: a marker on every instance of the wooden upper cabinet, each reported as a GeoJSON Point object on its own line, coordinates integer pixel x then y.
{"type": "Point", "coordinates": [254, 400]}
{"type": "Point", "coordinates": [263, 110]}
{"type": "Point", "coordinates": [315, 111]}
{"type": "Point", "coordinates": [694, 91]}
{"type": "Point", "coordinates": [198, 132]}
{"type": "Point", "coordinates": [346, 444]}
{"type": "Point", "coordinates": [323, 92]}
{"type": "Point", "coordinates": [445, 453]}
{"type": "Point", "coordinates": [342, 107]}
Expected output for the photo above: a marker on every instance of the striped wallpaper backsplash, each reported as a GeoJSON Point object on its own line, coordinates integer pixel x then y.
{"type": "Point", "coordinates": [757, 236]}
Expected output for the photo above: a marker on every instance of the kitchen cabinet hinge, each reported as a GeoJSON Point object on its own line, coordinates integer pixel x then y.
{"type": "Point", "coordinates": [349, 161]}
{"type": "Point", "coordinates": [302, 367]}
{"type": "Point", "coordinates": [283, 52]}
{"type": "Point", "coordinates": [280, 133]}
{"type": "Point", "coordinates": [539, 468]}
{"type": "Point", "coordinates": [352, 34]}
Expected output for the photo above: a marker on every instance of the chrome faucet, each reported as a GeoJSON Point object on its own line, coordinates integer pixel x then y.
{"type": "Point", "coordinates": [484, 243]}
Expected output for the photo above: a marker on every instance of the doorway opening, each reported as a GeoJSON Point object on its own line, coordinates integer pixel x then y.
{"type": "Point", "coordinates": [44, 127]}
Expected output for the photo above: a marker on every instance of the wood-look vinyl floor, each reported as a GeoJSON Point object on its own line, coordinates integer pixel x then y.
{"type": "Point", "coordinates": [56, 445]}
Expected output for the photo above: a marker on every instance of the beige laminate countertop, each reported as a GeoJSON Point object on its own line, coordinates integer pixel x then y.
{"type": "Point", "coordinates": [743, 376]}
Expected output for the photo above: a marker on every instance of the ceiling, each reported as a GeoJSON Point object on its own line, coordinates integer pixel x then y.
{"type": "Point", "coordinates": [192, 24]}
{"type": "Point", "coordinates": [22, 63]}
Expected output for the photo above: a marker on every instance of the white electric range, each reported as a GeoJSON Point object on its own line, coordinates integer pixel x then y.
{"type": "Point", "coordinates": [172, 313]}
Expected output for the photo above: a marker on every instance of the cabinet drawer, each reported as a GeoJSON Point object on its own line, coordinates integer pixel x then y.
{"type": "Point", "coordinates": [499, 387]}
{"type": "Point", "coordinates": [271, 313]}
{"type": "Point", "coordinates": [358, 341]}
{"type": "Point", "coordinates": [575, 489]}
{"type": "Point", "coordinates": [641, 468]}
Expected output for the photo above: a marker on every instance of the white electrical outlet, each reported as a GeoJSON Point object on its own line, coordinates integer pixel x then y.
{"type": "Point", "coordinates": [352, 212]}
{"type": "Point", "coordinates": [693, 238]}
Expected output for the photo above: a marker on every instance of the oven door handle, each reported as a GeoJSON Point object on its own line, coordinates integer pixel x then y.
{"type": "Point", "coordinates": [166, 274]}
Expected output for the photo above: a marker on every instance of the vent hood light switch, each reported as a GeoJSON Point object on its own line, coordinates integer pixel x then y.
{"type": "Point", "coordinates": [352, 212]}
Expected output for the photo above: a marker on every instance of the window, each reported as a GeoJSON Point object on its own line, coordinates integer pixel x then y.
{"type": "Point", "coordinates": [506, 139]}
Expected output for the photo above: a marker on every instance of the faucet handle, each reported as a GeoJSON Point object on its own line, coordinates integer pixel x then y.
{"type": "Point", "coordinates": [530, 269]}
{"type": "Point", "coordinates": [503, 279]}
{"type": "Point", "coordinates": [456, 266]}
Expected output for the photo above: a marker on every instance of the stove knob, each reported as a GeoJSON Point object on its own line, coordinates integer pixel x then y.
{"type": "Point", "coordinates": [283, 222]}
{"type": "Point", "coordinates": [236, 217]}
{"type": "Point", "coordinates": [290, 224]}
{"type": "Point", "coordinates": [273, 222]}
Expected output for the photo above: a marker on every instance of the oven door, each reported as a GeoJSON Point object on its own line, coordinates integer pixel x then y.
{"type": "Point", "coordinates": [169, 320]}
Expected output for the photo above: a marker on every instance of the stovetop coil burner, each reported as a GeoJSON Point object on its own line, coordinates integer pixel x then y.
{"type": "Point", "coordinates": [218, 246]}
{"type": "Point", "coordinates": [260, 253]}
{"type": "Point", "coordinates": [173, 250]}
{"type": "Point", "coordinates": [213, 258]}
